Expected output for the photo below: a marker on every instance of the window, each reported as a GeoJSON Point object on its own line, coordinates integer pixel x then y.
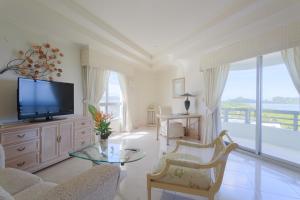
{"type": "Point", "coordinates": [111, 101]}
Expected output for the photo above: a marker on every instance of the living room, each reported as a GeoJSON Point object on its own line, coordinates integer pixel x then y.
{"type": "Point", "coordinates": [149, 99]}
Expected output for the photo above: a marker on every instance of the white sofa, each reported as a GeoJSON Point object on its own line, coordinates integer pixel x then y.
{"type": "Point", "coordinates": [100, 182]}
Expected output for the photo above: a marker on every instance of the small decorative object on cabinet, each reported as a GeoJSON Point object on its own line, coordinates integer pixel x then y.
{"type": "Point", "coordinates": [102, 122]}
{"type": "Point", "coordinates": [151, 116]}
{"type": "Point", "coordinates": [187, 102]}
{"type": "Point", "coordinates": [38, 62]}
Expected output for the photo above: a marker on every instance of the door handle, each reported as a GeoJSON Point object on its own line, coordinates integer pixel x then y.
{"type": "Point", "coordinates": [58, 139]}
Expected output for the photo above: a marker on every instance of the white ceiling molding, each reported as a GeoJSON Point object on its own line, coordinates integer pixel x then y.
{"type": "Point", "coordinates": [279, 38]}
{"type": "Point", "coordinates": [103, 25]}
{"type": "Point", "coordinates": [228, 12]}
{"type": "Point", "coordinates": [145, 61]}
{"type": "Point", "coordinates": [234, 29]}
{"type": "Point", "coordinates": [91, 57]}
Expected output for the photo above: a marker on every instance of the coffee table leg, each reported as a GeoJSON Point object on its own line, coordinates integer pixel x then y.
{"type": "Point", "coordinates": [168, 129]}
{"type": "Point", "coordinates": [157, 127]}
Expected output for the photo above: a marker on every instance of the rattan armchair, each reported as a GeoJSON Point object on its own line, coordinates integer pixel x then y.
{"type": "Point", "coordinates": [188, 173]}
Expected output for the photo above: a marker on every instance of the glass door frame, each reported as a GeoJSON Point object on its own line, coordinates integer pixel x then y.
{"type": "Point", "coordinates": [258, 134]}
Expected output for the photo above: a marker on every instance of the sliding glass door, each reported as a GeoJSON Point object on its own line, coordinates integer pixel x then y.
{"type": "Point", "coordinates": [238, 109]}
{"type": "Point", "coordinates": [280, 111]}
{"type": "Point", "coordinates": [261, 108]}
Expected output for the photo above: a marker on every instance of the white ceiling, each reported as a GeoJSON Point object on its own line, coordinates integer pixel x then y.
{"type": "Point", "coordinates": [155, 25]}
{"type": "Point", "coordinates": [151, 32]}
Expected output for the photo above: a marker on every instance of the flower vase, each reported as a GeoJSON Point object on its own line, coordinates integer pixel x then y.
{"type": "Point", "coordinates": [97, 138]}
{"type": "Point", "coordinates": [103, 145]}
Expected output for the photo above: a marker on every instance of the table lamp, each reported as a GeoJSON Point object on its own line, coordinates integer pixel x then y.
{"type": "Point", "coordinates": [187, 102]}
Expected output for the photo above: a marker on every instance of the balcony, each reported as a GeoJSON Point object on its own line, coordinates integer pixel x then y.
{"type": "Point", "coordinates": [280, 135]}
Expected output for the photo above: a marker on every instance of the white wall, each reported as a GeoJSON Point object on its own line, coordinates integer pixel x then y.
{"type": "Point", "coordinates": [141, 82]}
{"type": "Point", "coordinates": [13, 39]}
{"type": "Point", "coordinates": [145, 88]}
{"type": "Point", "coordinates": [192, 85]}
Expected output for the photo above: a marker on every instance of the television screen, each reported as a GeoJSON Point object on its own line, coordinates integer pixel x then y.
{"type": "Point", "coordinates": [38, 98]}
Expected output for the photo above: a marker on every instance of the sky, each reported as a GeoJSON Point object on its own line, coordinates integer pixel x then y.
{"type": "Point", "coordinates": [276, 82]}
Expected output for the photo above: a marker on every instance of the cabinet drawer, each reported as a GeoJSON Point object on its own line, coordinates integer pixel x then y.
{"type": "Point", "coordinates": [82, 123]}
{"type": "Point", "coordinates": [13, 151]}
{"type": "Point", "coordinates": [23, 162]}
{"type": "Point", "coordinates": [19, 136]}
{"type": "Point", "coordinates": [82, 142]}
{"type": "Point", "coordinates": [84, 132]}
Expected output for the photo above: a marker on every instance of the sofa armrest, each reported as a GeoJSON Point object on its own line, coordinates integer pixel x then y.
{"type": "Point", "coordinates": [100, 182]}
{"type": "Point", "coordinates": [2, 157]}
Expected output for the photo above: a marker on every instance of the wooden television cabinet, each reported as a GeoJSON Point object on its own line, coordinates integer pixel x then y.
{"type": "Point", "coordinates": [34, 146]}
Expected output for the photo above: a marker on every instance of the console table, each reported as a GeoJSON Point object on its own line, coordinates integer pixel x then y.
{"type": "Point", "coordinates": [177, 116]}
{"type": "Point", "coordinates": [34, 146]}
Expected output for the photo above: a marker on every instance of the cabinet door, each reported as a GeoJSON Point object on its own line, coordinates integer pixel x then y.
{"type": "Point", "coordinates": [66, 138]}
{"type": "Point", "coordinates": [49, 144]}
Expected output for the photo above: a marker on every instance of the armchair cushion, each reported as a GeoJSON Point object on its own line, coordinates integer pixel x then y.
{"type": "Point", "coordinates": [193, 178]}
{"type": "Point", "coordinates": [38, 190]}
{"type": "Point", "coordinates": [15, 181]}
{"type": "Point", "coordinates": [5, 195]}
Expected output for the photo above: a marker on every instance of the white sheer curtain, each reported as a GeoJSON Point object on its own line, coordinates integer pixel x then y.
{"type": "Point", "coordinates": [126, 121]}
{"type": "Point", "coordinates": [214, 80]}
{"type": "Point", "coordinates": [95, 81]}
{"type": "Point", "coordinates": [291, 58]}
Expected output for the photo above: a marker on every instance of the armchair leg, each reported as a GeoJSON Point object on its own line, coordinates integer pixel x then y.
{"type": "Point", "coordinates": [211, 197]}
{"type": "Point", "coordinates": [149, 188]}
{"type": "Point", "coordinates": [149, 193]}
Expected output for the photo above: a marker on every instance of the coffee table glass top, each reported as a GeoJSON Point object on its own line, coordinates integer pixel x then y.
{"type": "Point", "coordinates": [109, 152]}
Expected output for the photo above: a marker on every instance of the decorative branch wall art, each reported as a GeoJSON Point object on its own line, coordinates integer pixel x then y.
{"type": "Point", "coordinates": [38, 62]}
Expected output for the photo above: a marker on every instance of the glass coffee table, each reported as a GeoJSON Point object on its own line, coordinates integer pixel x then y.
{"type": "Point", "coordinates": [110, 152]}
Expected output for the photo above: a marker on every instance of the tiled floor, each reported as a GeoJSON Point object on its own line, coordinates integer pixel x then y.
{"type": "Point", "coordinates": [245, 177]}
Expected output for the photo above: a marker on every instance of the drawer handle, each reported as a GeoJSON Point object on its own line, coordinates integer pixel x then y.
{"type": "Point", "coordinates": [83, 132]}
{"type": "Point", "coordinates": [21, 136]}
{"type": "Point", "coordinates": [21, 164]}
{"type": "Point", "coordinates": [21, 148]}
{"type": "Point", "coordinates": [82, 123]}
{"type": "Point", "coordinates": [58, 139]}
{"type": "Point", "coordinates": [82, 143]}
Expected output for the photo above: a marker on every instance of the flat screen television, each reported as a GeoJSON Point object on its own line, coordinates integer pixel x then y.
{"type": "Point", "coordinates": [38, 99]}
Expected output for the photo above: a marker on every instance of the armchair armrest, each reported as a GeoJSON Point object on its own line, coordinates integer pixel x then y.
{"type": "Point", "coordinates": [191, 164]}
{"type": "Point", "coordinates": [191, 144]}
{"type": "Point", "coordinates": [100, 182]}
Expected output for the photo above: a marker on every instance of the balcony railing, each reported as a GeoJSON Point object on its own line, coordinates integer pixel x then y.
{"type": "Point", "coordinates": [282, 118]}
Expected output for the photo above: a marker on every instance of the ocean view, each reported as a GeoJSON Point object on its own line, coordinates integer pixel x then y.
{"type": "Point", "coordinates": [277, 106]}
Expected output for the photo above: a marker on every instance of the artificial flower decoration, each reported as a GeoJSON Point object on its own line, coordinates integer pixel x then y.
{"type": "Point", "coordinates": [38, 62]}
{"type": "Point", "coordinates": [102, 122]}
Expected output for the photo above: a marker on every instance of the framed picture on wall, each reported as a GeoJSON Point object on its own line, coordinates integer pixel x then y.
{"type": "Point", "coordinates": [178, 86]}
